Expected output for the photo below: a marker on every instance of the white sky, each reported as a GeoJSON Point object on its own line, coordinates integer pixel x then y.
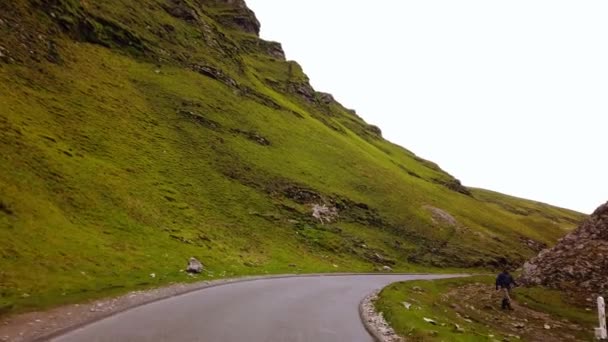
{"type": "Point", "coordinates": [510, 96]}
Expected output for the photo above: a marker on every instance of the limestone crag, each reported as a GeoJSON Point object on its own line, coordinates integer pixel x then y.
{"type": "Point", "coordinates": [235, 14]}
{"type": "Point", "coordinates": [578, 263]}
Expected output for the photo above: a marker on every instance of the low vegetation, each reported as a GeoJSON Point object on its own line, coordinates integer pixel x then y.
{"type": "Point", "coordinates": [468, 309]}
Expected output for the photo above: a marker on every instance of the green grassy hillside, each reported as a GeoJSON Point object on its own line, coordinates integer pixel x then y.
{"type": "Point", "coordinates": [135, 134]}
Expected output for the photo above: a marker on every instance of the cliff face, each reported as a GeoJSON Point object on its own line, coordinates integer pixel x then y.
{"type": "Point", "coordinates": [578, 262]}
{"type": "Point", "coordinates": [137, 134]}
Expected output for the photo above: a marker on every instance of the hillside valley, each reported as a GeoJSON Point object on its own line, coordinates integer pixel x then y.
{"type": "Point", "coordinates": [137, 134]}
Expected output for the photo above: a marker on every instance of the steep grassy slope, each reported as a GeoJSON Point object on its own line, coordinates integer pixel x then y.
{"type": "Point", "coordinates": [135, 134]}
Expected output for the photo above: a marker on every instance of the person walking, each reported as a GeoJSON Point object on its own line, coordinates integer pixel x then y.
{"type": "Point", "coordinates": [504, 283]}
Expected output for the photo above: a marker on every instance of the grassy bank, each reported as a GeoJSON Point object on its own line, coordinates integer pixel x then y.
{"type": "Point", "coordinates": [468, 309]}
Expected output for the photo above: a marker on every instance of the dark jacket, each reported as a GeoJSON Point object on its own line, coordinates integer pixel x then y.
{"type": "Point", "coordinates": [505, 280]}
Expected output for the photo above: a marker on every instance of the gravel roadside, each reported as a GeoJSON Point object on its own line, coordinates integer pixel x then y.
{"type": "Point", "coordinates": [374, 322]}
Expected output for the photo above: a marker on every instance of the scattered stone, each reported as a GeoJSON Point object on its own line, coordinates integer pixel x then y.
{"type": "Point", "coordinates": [430, 321]}
{"type": "Point", "coordinates": [153, 275]}
{"type": "Point", "coordinates": [387, 269]}
{"type": "Point", "coordinates": [324, 213]}
{"type": "Point", "coordinates": [375, 322]}
{"type": "Point", "coordinates": [194, 266]}
{"type": "Point", "coordinates": [518, 325]}
{"type": "Point", "coordinates": [379, 259]}
{"type": "Point", "coordinates": [417, 289]}
{"type": "Point", "coordinates": [547, 327]}
{"type": "Point", "coordinates": [253, 136]}
{"type": "Point", "coordinates": [407, 305]}
{"type": "Point", "coordinates": [335, 266]}
{"type": "Point", "coordinates": [458, 329]}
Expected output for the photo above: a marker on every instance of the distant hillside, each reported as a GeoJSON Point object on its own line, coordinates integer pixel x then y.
{"type": "Point", "coordinates": [136, 134]}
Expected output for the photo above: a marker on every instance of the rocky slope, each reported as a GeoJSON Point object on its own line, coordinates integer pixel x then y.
{"type": "Point", "coordinates": [137, 134]}
{"type": "Point", "coordinates": [579, 261]}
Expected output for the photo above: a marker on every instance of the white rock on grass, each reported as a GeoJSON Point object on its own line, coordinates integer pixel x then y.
{"type": "Point", "coordinates": [431, 321]}
{"type": "Point", "coordinates": [194, 266]}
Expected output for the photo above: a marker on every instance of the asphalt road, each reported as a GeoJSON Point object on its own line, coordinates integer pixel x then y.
{"type": "Point", "coordinates": [299, 309]}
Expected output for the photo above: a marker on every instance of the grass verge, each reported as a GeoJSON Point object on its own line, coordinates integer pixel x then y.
{"type": "Point", "coordinates": [468, 309]}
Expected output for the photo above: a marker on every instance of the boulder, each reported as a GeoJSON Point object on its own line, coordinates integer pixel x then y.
{"type": "Point", "coordinates": [194, 266]}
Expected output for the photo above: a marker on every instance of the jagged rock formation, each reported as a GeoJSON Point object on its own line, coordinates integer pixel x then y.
{"type": "Point", "coordinates": [579, 261]}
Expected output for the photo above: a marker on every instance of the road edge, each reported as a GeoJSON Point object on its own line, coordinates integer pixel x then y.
{"type": "Point", "coordinates": [374, 322]}
{"type": "Point", "coordinates": [146, 297]}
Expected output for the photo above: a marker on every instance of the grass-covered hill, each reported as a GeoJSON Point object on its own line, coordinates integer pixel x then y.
{"type": "Point", "coordinates": [135, 134]}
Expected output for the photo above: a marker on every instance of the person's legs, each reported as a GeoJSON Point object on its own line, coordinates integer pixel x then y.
{"type": "Point", "coordinates": [506, 299]}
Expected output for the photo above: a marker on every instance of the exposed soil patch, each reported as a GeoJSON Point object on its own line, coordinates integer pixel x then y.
{"type": "Point", "coordinates": [480, 303]}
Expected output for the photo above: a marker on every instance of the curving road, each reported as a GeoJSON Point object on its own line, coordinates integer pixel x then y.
{"type": "Point", "coordinates": [297, 309]}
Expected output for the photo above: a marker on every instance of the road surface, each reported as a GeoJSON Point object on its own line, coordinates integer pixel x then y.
{"type": "Point", "coordinates": [297, 309]}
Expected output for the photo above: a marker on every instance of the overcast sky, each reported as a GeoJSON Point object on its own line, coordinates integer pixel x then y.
{"type": "Point", "coordinates": [510, 96]}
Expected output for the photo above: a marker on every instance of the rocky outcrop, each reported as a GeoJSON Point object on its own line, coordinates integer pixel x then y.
{"type": "Point", "coordinates": [181, 9]}
{"type": "Point", "coordinates": [454, 185]}
{"type": "Point", "coordinates": [578, 263]}
{"type": "Point", "coordinates": [325, 98]}
{"type": "Point", "coordinates": [235, 14]}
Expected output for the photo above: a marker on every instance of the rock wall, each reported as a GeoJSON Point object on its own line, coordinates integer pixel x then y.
{"type": "Point", "coordinates": [578, 263]}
